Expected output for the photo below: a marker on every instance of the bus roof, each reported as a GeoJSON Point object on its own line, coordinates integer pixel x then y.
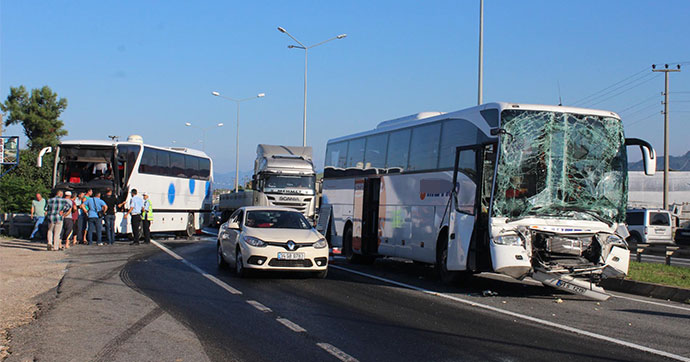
{"type": "Point", "coordinates": [102, 143]}
{"type": "Point", "coordinates": [470, 114]}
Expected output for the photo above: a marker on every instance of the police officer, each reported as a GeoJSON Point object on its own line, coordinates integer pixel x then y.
{"type": "Point", "coordinates": [147, 217]}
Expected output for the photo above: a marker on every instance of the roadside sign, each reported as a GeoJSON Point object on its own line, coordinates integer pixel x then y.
{"type": "Point", "coordinates": [9, 150]}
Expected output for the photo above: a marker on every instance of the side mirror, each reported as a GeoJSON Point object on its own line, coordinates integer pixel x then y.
{"type": "Point", "coordinates": [648, 154]}
{"type": "Point", "coordinates": [39, 161]}
{"type": "Point", "coordinates": [233, 225]}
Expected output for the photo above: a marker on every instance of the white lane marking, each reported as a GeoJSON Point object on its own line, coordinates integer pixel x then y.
{"type": "Point", "coordinates": [208, 276]}
{"type": "Point", "coordinates": [337, 352]}
{"type": "Point", "coordinates": [259, 306]}
{"type": "Point", "coordinates": [290, 324]}
{"type": "Point", "coordinates": [522, 316]}
{"type": "Point", "coordinates": [616, 295]}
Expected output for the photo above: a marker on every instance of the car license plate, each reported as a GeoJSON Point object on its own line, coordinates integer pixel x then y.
{"type": "Point", "coordinates": [659, 231]}
{"type": "Point", "coordinates": [291, 256]}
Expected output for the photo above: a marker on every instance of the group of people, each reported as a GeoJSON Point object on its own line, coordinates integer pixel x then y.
{"type": "Point", "coordinates": [79, 217]}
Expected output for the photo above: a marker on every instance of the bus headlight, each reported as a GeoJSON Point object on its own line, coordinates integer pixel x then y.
{"type": "Point", "coordinates": [511, 240]}
{"type": "Point", "coordinates": [321, 243]}
{"type": "Point", "coordinates": [616, 240]}
{"type": "Point", "coordinates": [254, 241]}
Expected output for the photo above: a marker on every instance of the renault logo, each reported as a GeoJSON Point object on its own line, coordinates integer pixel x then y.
{"type": "Point", "coordinates": [291, 245]}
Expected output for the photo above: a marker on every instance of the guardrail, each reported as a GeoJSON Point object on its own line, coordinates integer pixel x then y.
{"type": "Point", "coordinates": [16, 225]}
{"type": "Point", "coordinates": [668, 251]}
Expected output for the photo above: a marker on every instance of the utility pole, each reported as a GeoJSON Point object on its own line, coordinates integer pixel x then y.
{"type": "Point", "coordinates": [666, 70]}
{"type": "Point", "coordinates": [481, 52]}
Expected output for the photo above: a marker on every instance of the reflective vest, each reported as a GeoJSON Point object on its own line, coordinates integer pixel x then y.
{"type": "Point", "coordinates": [148, 210]}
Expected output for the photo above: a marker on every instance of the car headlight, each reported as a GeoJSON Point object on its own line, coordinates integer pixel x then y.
{"type": "Point", "coordinates": [321, 243]}
{"type": "Point", "coordinates": [615, 240]}
{"type": "Point", "coordinates": [254, 241]}
{"type": "Point", "coordinates": [512, 240]}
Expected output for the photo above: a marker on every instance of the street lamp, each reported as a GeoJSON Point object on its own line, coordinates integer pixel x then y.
{"type": "Point", "coordinates": [237, 141]}
{"type": "Point", "coordinates": [203, 132]}
{"type": "Point", "coordinates": [306, 52]}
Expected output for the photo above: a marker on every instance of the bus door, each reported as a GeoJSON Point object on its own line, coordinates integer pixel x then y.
{"type": "Point", "coordinates": [468, 244]}
{"type": "Point", "coordinates": [366, 216]}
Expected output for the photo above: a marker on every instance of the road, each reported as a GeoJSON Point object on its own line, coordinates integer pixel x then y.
{"type": "Point", "coordinates": [395, 310]}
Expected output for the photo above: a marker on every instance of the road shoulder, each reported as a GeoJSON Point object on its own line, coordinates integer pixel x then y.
{"type": "Point", "coordinates": [95, 315]}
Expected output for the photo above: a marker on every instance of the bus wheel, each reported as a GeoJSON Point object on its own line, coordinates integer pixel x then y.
{"type": "Point", "coordinates": [350, 255]}
{"type": "Point", "coordinates": [190, 231]}
{"type": "Point", "coordinates": [446, 276]}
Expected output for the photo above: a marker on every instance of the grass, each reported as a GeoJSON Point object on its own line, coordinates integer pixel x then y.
{"type": "Point", "coordinates": [674, 276]}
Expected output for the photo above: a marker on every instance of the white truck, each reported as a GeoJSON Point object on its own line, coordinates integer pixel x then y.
{"type": "Point", "coordinates": [283, 176]}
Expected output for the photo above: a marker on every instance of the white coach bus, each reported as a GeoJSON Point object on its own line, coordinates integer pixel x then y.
{"type": "Point", "coordinates": [178, 180]}
{"type": "Point", "coordinates": [518, 189]}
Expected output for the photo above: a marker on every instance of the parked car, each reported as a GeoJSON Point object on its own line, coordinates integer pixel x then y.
{"type": "Point", "coordinates": [649, 226]}
{"type": "Point", "coordinates": [271, 238]}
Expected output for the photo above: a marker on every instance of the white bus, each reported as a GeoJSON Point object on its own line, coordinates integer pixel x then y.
{"type": "Point", "coordinates": [518, 189]}
{"type": "Point", "coordinates": [178, 180]}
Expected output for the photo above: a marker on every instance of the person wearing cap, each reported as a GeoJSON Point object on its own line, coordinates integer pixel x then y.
{"type": "Point", "coordinates": [147, 217]}
{"type": "Point", "coordinates": [136, 206]}
{"type": "Point", "coordinates": [68, 221]}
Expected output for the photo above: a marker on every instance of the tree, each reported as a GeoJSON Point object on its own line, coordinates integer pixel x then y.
{"type": "Point", "coordinates": [38, 113]}
{"type": "Point", "coordinates": [17, 188]}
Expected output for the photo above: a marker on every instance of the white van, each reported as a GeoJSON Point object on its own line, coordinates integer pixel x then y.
{"type": "Point", "coordinates": [649, 226]}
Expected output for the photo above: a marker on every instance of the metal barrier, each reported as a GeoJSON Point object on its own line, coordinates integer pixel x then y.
{"type": "Point", "coordinates": [668, 252]}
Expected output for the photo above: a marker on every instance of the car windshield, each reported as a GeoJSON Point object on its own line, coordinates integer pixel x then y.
{"type": "Point", "coordinates": [276, 219]}
{"type": "Point", "coordinates": [561, 165]}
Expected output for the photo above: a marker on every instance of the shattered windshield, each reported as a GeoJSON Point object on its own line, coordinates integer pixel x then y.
{"type": "Point", "coordinates": [561, 164]}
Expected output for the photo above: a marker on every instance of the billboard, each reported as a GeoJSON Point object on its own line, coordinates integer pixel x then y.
{"type": "Point", "coordinates": [9, 150]}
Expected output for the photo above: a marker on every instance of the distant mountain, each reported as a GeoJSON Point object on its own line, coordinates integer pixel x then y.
{"type": "Point", "coordinates": [226, 180]}
{"type": "Point", "coordinates": [676, 163]}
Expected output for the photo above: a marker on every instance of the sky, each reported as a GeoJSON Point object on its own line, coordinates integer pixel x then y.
{"type": "Point", "coordinates": [148, 67]}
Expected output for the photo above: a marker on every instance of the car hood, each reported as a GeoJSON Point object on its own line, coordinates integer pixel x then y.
{"type": "Point", "coordinates": [283, 235]}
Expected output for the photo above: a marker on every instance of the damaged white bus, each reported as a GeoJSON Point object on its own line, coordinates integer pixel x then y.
{"type": "Point", "coordinates": [178, 180]}
{"type": "Point", "coordinates": [518, 189]}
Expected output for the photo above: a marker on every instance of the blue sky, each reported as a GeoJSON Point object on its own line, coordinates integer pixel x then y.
{"type": "Point", "coordinates": [147, 67]}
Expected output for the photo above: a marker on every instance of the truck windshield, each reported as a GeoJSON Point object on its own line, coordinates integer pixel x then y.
{"type": "Point", "coordinates": [276, 182]}
{"type": "Point", "coordinates": [561, 165]}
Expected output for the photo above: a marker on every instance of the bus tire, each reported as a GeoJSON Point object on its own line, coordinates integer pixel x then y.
{"type": "Point", "coordinates": [190, 230]}
{"type": "Point", "coordinates": [446, 276]}
{"type": "Point", "coordinates": [350, 255]}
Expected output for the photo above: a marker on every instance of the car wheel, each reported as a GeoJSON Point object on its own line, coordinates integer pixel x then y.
{"type": "Point", "coordinates": [634, 238]}
{"type": "Point", "coordinates": [222, 264]}
{"type": "Point", "coordinates": [321, 274]}
{"type": "Point", "coordinates": [240, 270]}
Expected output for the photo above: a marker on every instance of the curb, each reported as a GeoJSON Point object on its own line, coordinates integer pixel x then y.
{"type": "Point", "coordinates": [647, 289]}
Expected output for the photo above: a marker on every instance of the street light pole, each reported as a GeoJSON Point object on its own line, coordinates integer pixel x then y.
{"type": "Point", "coordinates": [237, 136]}
{"type": "Point", "coordinates": [480, 87]}
{"type": "Point", "coordinates": [203, 133]}
{"type": "Point", "coordinates": [306, 53]}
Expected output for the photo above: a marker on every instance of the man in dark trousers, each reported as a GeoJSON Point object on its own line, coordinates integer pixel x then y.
{"type": "Point", "coordinates": [136, 206]}
{"type": "Point", "coordinates": [147, 218]}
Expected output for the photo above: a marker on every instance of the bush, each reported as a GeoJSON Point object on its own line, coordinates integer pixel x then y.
{"type": "Point", "coordinates": [19, 186]}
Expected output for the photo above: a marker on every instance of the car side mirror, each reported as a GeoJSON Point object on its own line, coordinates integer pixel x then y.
{"type": "Point", "coordinates": [233, 225]}
{"type": "Point", "coordinates": [648, 154]}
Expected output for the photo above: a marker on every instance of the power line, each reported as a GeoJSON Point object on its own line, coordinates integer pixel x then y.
{"type": "Point", "coordinates": [625, 90]}
{"type": "Point", "coordinates": [639, 103]}
{"type": "Point", "coordinates": [611, 86]}
{"type": "Point", "coordinates": [643, 109]}
{"type": "Point", "coordinates": [643, 119]}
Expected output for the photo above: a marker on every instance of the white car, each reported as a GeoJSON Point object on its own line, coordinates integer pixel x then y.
{"type": "Point", "coordinates": [271, 238]}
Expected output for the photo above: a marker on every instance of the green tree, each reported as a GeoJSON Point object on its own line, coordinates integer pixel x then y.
{"type": "Point", "coordinates": [38, 113]}
{"type": "Point", "coordinates": [19, 186]}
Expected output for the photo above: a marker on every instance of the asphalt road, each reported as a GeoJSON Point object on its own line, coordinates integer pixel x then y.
{"type": "Point", "coordinates": [395, 310]}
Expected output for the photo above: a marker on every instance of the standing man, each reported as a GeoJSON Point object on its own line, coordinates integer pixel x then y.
{"type": "Point", "coordinates": [83, 217]}
{"type": "Point", "coordinates": [136, 206]}
{"type": "Point", "coordinates": [75, 217]}
{"type": "Point", "coordinates": [97, 210]}
{"type": "Point", "coordinates": [147, 218]}
{"type": "Point", "coordinates": [55, 210]}
{"type": "Point", "coordinates": [111, 202]}
{"type": "Point", "coordinates": [38, 208]}
{"type": "Point", "coordinates": [67, 221]}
